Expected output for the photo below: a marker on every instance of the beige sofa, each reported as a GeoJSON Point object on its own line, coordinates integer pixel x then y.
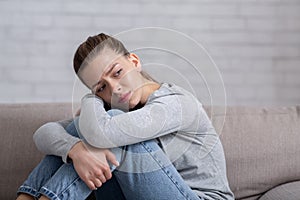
{"type": "Point", "coordinates": [262, 147]}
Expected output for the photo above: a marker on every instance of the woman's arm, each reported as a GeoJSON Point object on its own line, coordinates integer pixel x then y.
{"type": "Point", "coordinates": [53, 139]}
{"type": "Point", "coordinates": [164, 115]}
{"type": "Point", "coordinates": [91, 164]}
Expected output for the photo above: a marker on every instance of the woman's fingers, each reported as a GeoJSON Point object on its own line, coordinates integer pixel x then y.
{"type": "Point", "coordinates": [111, 158]}
{"type": "Point", "coordinates": [101, 178]}
{"type": "Point", "coordinates": [91, 185]}
{"type": "Point", "coordinates": [91, 164]}
{"type": "Point", "coordinates": [100, 175]}
{"type": "Point", "coordinates": [106, 172]}
{"type": "Point", "coordinates": [98, 182]}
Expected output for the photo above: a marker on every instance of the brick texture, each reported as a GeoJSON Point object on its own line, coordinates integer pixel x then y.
{"type": "Point", "coordinates": [254, 45]}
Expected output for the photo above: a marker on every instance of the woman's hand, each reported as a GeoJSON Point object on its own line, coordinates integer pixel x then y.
{"type": "Point", "coordinates": [91, 164]}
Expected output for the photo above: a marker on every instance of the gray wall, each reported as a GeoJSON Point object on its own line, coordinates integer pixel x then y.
{"type": "Point", "coordinates": [254, 44]}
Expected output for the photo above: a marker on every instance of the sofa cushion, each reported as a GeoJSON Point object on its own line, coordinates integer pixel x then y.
{"type": "Point", "coordinates": [18, 153]}
{"type": "Point", "coordinates": [261, 146]}
{"type": "Point", "coordinates": [290, 191]}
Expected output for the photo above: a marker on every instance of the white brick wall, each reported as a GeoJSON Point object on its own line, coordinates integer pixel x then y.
{"type": "Point", "coordinates": [255, 44]}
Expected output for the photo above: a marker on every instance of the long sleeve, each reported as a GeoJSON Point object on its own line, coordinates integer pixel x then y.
{"type": "Point", "coordinates": [52, 139]}
{"type": "Point", "coordinates": [166, 112]}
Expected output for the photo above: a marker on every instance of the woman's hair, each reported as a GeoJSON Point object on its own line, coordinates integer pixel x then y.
{"type": "Point", "coordinates": [94, 45]}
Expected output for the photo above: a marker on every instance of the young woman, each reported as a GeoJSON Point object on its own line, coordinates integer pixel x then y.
{"type": "Point", "coordinates": [135, 138]}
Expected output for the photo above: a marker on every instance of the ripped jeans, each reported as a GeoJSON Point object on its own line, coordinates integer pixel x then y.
{"type": "Point", "coordinates": [145, 172]}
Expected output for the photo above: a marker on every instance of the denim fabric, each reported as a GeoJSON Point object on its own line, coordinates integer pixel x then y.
{"type": "Point", "coordinates": [145, 172]}
{"type": "Point", "coordinates": [163, 182]}
{"type": "Point", "coordinates": [52, 177]}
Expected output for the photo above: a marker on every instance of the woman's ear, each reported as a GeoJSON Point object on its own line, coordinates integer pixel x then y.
{"type": "Point", "coordinates": [136, 61]}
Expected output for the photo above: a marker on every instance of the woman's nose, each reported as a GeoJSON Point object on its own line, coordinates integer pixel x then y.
{"type": "Point", "coordinates": [116, 87]}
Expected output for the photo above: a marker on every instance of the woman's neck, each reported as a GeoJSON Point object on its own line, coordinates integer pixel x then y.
{"type": "Point", "coordinates": [148, 89]}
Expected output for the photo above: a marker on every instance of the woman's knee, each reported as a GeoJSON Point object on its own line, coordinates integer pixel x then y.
{"type": "Point", "coordinates": [144, 147]}
{"type": "Point", "coordinates": [143, 157]}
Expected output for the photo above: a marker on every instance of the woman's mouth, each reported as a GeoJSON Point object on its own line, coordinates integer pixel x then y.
{"type": "Point", "coordinates": [125, 97]}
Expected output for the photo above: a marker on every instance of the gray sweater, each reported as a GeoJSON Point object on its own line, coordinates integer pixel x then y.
{"type": "Point", "coordinates": [172, 115]}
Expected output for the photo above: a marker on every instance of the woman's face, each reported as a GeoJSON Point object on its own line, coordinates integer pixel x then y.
{"type": "Point", "coordinates": [115, 78]}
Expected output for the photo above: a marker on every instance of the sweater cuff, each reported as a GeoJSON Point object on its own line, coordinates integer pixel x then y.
{"type": "Point", "coordinates": [68, 147]}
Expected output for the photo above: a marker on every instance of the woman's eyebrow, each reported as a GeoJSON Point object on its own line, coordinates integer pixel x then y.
{"type": "Point", "coordinates": [95, 84]}
{"type": "Point", "coordinates": [107, 72]}
{"type": "Point", "coordinates": [110, 68]}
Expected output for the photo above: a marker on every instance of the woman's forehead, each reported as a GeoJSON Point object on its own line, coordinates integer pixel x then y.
{"type": "Point", "coordinates": [98, 65]}
{"type": "Point", "coordinates": [106, 58]}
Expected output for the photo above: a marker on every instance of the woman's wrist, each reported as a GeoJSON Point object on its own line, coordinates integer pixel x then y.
{"type": "Point", "coordinates": [75, 149]}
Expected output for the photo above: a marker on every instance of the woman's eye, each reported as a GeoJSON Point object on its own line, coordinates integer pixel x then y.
{"type": "Point", "coordinates": [118, 73]}
{"type": "Point", "coordinates": [100, 89]}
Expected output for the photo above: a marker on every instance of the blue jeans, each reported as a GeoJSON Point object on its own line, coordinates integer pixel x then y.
{"type": "Point", "coordinates": [145, 172]}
